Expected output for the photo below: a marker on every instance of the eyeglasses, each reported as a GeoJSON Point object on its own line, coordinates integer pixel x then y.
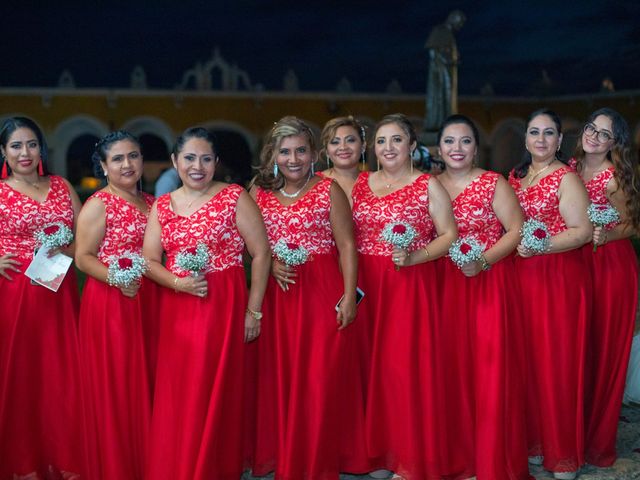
{"type": "Point", "coordinates": [602, 135]}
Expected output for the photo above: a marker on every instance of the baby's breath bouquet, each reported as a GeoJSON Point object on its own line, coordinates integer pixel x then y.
{"type": "Point", "coordinates": [290, 253]}
{"type": "Point", "coordinates": [126, 269]}
{"type": "Point", "coordinates": [535, 235]}
{"type": "Point", "coordinates": [54, 235]}
{"type": "Point", "coordinates": [193, 260]}
{"type": "Point", "coordinates": [465, 250]}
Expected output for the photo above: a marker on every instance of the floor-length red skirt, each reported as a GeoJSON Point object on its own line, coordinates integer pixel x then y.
{"type": "Point", "coordinates": [405, 400]}
{"type": "Point", "coordinates": [484, 310]}
{"type": "Point", "coordinates": [112, 346]}
{"type": "Point", "coordinates": [41, 406]}
{"type": "Point", "coordinates": [310, 407]}
{"type": "Point", "coordinates": [198, 409]}
{"type": "Point", "coordinates": [556, 301]}
{"type": "Point", "coordinates": [615, 299]}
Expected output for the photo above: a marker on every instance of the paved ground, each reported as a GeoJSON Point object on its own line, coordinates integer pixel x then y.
{"type": "Point", "coordinates": [627, 467]}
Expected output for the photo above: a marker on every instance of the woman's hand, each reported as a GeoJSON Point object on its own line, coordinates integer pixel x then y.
{"type": "Point", "coordinates": [7, 264]}
{"type": "Point", "coordinates": [196, 286]}
{"type": "Point", "coordinates": [346, 312]}
{"type": "Point", "coordinates": [131, 290]}
{"type": "Point", "coordinates": [283, 273]}
{"type": "Point", "coordinates": [251, 327]}
{"type": "Point", "coordinates": [471, 269]}
{"type": "Point", "coordinates": [400, 257]}
{"type": "Point", "coordinates": [524, 252]}
{"type": "Point", "coordinates": [599, 235]}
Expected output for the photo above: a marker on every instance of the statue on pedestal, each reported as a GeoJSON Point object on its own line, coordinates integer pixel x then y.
{"type": "Point", "coordinates": [442, 78]}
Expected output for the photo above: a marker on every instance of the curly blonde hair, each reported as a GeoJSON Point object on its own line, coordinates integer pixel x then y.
{"type": "Point", "coordinates": [285, 127]}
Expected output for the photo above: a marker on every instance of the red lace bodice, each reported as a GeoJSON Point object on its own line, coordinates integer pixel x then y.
{"type": "Point", "coordinates": [473, 210]}
{"type": "Point", "coordinates": [21, 217]}
{"type": "Point", "coordinates": [306, 222]}
{"type": "Point", "coordinates": [371, 213]}
{"type": "Point", "coordinates": [597, 187]}
{"type": "Point", "coordinates": [124, 225]}
{"type": "Point", "coordinates": [541, 201]}
{"type": "Point", "coordinates": [213, 224]}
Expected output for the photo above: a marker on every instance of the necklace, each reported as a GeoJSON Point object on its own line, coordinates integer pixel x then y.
{"type": "Point", "coordinates": [198, 197]}
{"type": "Point", "coordinates": [391, 184]}
{"type": "Point", "coordinates": [294, 194]}
{"type": "Point", "coordinates": [538, 172]}
{"type": "Point", "coordinates": [35, 184]}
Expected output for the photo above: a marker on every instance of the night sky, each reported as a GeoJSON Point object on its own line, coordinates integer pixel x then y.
{"type": "Point", "coordinates": [505, 43]}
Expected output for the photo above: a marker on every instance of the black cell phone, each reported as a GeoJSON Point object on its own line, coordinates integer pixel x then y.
{"type": "Point", "coordinates": [359, 297]}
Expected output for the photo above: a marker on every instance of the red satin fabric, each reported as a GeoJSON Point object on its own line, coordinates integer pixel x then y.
{"type": "Point", "coordinates": [116, 380]}
{"type": "Point", "coordinates": [41, 406]}
{"type": "Point", "coordinates": [482, 338]}
{"type": "Point", "coordinates": [310, 411]}
{"type": "Point", "coordinates": [615, 299]}
{"type": "Point", "coordinates": [405, 400]}
{"type": "Point", "coordinates": [556, 302]}
{"type": "Point", "coordinates": [198, 404]}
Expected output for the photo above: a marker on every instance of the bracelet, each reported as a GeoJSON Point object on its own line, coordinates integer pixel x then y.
{"type": "Point", "coordinates": [427, 253]}
{"type": "Point", "coordinates": [175, 283]}
{"type": "Point", "coordinates": [484, 264]}
{"type": "Point", "coordinates": [256, 315]}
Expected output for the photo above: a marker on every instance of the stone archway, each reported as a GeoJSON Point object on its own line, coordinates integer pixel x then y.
{"type": "Point", "coordinates": [236, 150]}
{"type": "Point", "coordinates": [64, 136]}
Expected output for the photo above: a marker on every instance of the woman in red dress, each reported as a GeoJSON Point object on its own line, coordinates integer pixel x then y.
{"type": "Point", "coordinates": [555, 299]}
{"type": "Point", "coordinates": [482, 326]}
{"type": "Point", "coordinates": [404, 400]}
{"type": "Point", "coordinates": [343, 143]}
{"type": "Point", "coordinates": [41, 407]}
{"type": "Point", "coordinates": [203, 227]}
{"type": "Point", "coordinates": [110, 229]}
{"type": "Point", "coordinates": [608, 169]}
{"type": "Point", "coordinates": [310, 412]}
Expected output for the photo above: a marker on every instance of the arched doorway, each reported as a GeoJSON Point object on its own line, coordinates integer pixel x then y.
{"type": "Point", "coordinates": [78, 157]}
{"type": "Point", "coordinates": [235, 156]}
{"type": "Point", "coordinates": [156, 159]}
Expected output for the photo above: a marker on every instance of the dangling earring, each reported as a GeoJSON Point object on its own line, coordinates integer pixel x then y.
{"type": "Point", "coordinates": [328, 161]}
{"type": "Point", "coordinates": [364, 163]}
{"type": "Point", "coordinates": [312, 168]}
{"type": "Point", "coordinates": [275, 169]}
{"type": "Point", "coordinates": [40, 168]}
{"type": "Point", "coordinates": [411, 161]}
{"type": "Point", "coordinates": [4, 173]}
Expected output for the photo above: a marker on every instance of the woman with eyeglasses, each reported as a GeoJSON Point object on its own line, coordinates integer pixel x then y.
{"type": "Point", "coordinates": [555, 296]}
{"type": "Point", "coordinates": [605, 163]}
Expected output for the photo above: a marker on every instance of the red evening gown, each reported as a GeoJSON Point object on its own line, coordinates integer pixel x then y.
{"type": "Point", "coordinates": [405, 398]}
{"type": "Point", "coordinates": [556, 304]}
{"type": "Point", "coordinates": [41, 406]}
{"type": "Point", "coordinates": [615, 299]}
{"type": "Point", "coordinates": [484, 339]}
{"type": "Point", "coordinates": [310, 410]}
{"type": "Point", "coordinates": [113, 353]}
{"type": "Point", "coordinates": [196, 424]}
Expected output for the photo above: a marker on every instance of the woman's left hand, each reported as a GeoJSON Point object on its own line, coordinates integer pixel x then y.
{"type": "Point", "coordinates": [471, 269]}
{"type": "Point", "coordinates": [131, 290]}
{"type": "Point", "coordinates": [524, 252]}
{"type": "Point", "coordinates": [251, 328]}
{"type": "Point", "coordinates": [346, 312]}
{"type": "Point", "coordinates": [400, 257]}
{"type": "Point", "coordinates": [599, 235]}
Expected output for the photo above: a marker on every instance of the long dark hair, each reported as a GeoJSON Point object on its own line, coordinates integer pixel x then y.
{"type": "Point", "coordinates": [12, 124]}
{"type": "Point", "coordinates": [522, 168]}
{"type": "Point", "coordinates": [627, 171]}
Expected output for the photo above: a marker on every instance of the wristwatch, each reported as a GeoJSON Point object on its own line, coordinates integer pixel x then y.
{"type": "Point", "coordinates": [255, 315]}
{"type": "Point", "coordinates": [483, 262]}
